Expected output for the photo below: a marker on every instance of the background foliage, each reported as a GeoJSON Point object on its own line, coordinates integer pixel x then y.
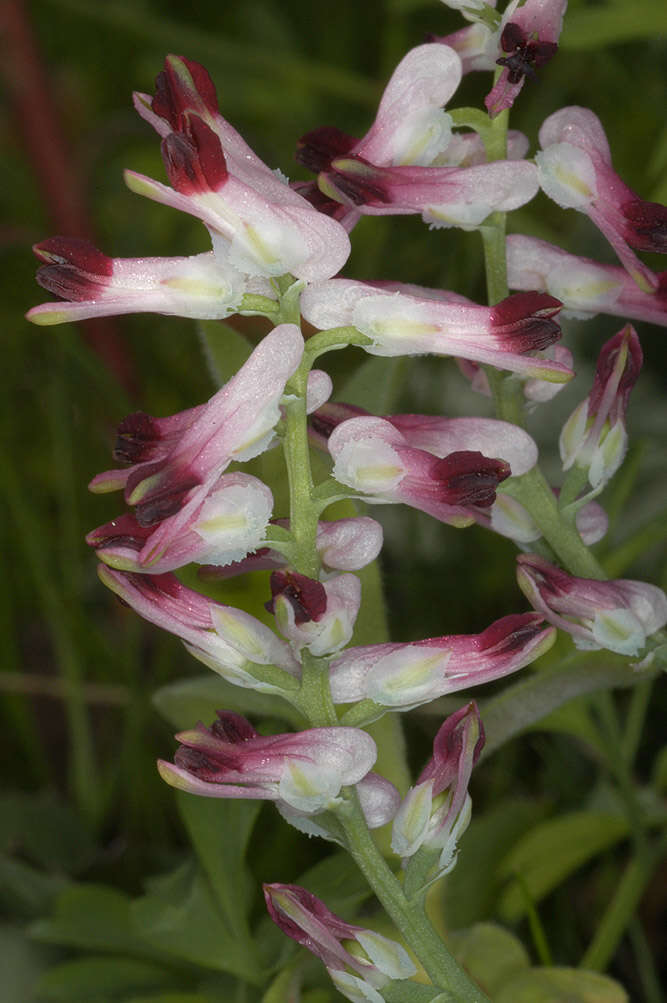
{"type": "Point", "coordinates": [86, 827]}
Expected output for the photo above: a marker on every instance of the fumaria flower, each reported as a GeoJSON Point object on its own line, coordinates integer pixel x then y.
{"type": "Point", "coordinates": [436, 810]}
{"type": "Point", "coordinates": [313, 615]}
{"type": "Point", "coordinates": [594, 436]}
{"type": "Point", "coordinates": [618, 615]}
{"type": "Point", "coordinates": [413, 321]}
{"type": "Point", "coordinates": [233, 643]}
{"type": "Point", "coordinates": [358, 973]}
{"type": "Point", "coordinates": [396, 166]}
{"type": "Point", "coordinates": [305, 770]}
{"type": "Point", "coordinates": [584, 287]}
{"type": "Point", "coordinates": [174, 477]}
{"type": "Point", "coordinates": [575, 170]}
{"type": "Point", "coordinates": [403, 676]}
{"type": "Point", "coordinates": [446, 467]}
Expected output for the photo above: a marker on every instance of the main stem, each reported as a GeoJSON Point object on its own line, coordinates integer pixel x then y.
{"type": "Point", "coordinates": [408, 916]}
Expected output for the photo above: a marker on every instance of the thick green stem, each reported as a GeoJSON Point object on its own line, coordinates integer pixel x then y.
{"type": "Point", "coordinates": [408, 916]}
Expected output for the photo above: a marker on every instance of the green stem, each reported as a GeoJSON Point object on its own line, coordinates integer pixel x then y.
{"type": "Point", "coordinates": [622, 908]}
{"type": "Point", "coordinates": [408, 916]}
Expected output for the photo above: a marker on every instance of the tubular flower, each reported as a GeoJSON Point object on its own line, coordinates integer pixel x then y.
{"type": "Point", "coordinates": [617, 615]}
{"type": "Point", "coordinates": [231, 642]}
{"type": "Point", "coordinates": [412, 321]}
{"type": "Point", "coordinates": [176, 463]}
{"type": "Point", "coordinates": [372, 456]}
{"type": "Point", "coordinates": [313, 615]}
{"type": "Point", "coordinates": [396, 168]}
{"type": "Point", "coordinates": [403, 676]}
{"type": "Point", "coordinates": [201, 286]}
{"type": "Point", "coordinates": [584, 287]}
{"type": "Point", "coordinates": [359, 973]}
{"type": "Point", "coordinates": [528, 39]}
{"type": "Point", "coordinates": [594, 436]}
{"type": "Point", "coordinates": [436, 811]}
{"type": "Point", "coordinates": [305, 770]}
{"type": "Point", "coordinates": [575, 171]}
{"type": "Point", "coordinates": [230, 523]}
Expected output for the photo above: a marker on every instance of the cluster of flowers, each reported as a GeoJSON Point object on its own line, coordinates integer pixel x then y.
{"type": "Point", "coordinates": [188, 507]}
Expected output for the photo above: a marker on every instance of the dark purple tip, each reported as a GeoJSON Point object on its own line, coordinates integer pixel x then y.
{"type": "Point", "coordinates": [173, 96]}
{"type": "Point", "coordinates": [319, 147]}
{"type": "Point", "coordinates": [306, 596]}
{"type": "Point", "coordinates": [469, 478]}
{"type": "Point", "coordinates": [646, 228]}
{"type": "Point", "coordinates": [193, 157]}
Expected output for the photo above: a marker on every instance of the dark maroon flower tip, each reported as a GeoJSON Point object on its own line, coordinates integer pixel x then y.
{"type": "Point", "coordinates": [605, 368]}
{"type": "Point", "coordinates": [469, 478]}
{"type": "Point", "coordinates": [316, 149]}
{"type": "Point", "coordinates": [231, 727]}
{"type": "Point", "coordinates": [193, 157]}
{"type": "Point", "coordinates": [124, 531]}
{"type": "Point", "coordinates": [358, 181]}
{"type": "Point", "coordinates": [306, 596]}
{"type": "Point", "coordinates": [525, 54]}
{"type": "Point", "coordinates": [525, 319]}
{"type": "Point", "coordinates": [197, 763]}
{"type": "Point", "coordinates": [647, 225]}
{"type": "Point", "coordinates": [136, 438]}
{"type": "Point", "coordinates": [75, 252]}
{"type": "Point", "coordinates": [173, 96]}
{"type": "Point", "coordinates": [511, 632]}
{"type": "Point", "coordinates": [327, 206]}
{"type": "Point", "coordinates": [162, 504]}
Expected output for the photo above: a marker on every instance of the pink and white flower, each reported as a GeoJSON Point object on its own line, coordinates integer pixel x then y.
{"type": "Point", "coordinates": [231, 642]}
{"type": "Point", "coordinates": [436, 810]}
{"type": "Point", "coordinates": [359, 973]}
{"type": "Point", "coordinates": [176, 463]}
{"type": "Point", "coordinates": [403, 676]}
{"type": "Point", "coordinates": [575, 170]}
{"type": "Point", "coordinates": [412, 321]}
{"type": "Point", "coordinates": [305, 770]}
{"type": "Point", "coordinates": [594, 436]}
{"type": "Point", "coordinates": [585, 287]}
{"type": "Point", "coordinates": [617, 615]}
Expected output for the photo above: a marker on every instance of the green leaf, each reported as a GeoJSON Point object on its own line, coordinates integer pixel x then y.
{"type": "Point", "coordinates": [490, 955]}
{"type": "Point", "coordinates": [94, 917]}
{"type": "Point", "coordinates": [100, 980]}
{"type": "Point", "coordinates": [550, 852]}
{"type": "Point", "coordinates": [561, 985]}
{"type": "Point", "coordinates": [22, 964]}
{"type": "Point", "coordinates": [189, 700]}
{"type": "Point", "coordinates": [526, 703]}
{"type": "Point", "coordinates": [26, 891]}
{"type": "Point", "coordinates": [179, 915]}
{"type": "Point", "coordinates": [48, 830]}
{"type": "Point", "coordinates": [173, 998]}
{"type": "Point", "coordinates": [469, 893]}
{"type": "Point", "coordinates": [219, 832]}
{"type": "Point", "coordinates": [225, 349]}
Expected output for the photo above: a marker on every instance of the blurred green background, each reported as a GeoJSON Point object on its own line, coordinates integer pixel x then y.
{"type": "Point", "coordinates": [79, 733]}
